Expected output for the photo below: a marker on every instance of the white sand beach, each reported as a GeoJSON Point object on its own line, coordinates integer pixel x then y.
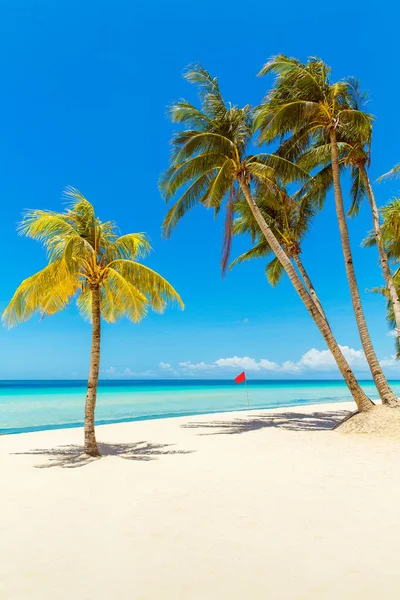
{"type": "Point", "coordinates": [262, 504]}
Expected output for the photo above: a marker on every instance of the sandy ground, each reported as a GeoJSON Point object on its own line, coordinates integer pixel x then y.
{"type": "Point", "coordinates": [257, 505]}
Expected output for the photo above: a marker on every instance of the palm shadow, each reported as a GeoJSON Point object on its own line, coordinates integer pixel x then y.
{"type": "Point", "coordinates": [73, 456]}
{"type": "Point", "coordinates": [291, 421]}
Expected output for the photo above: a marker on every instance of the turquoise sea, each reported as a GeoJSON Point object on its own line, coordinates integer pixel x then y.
{"type": "Point", "coordinates": [38, 405]}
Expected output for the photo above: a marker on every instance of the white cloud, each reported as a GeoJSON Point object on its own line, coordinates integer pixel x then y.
{"type": "Point", "coordinates": [201, 366]}
{"type": "Point", "coordinates": [110, 371]}
{"type": "Point", "coordinates": [167, 369]}
{"type": "Point", "coordinates": [390, 362]}
{"type": "Point", "coordinates": [392, 333]}
{"type": "Point", "coordinates": [247, 363]}
{"type": "Point", "coordinates": [243, 321]}
{"type": "Point", "coordinates": [290, 367]}
{"type": "Point", "coordinates": [313, 360]}
{"type": "Point", "coordinates": [322, 360]}
{"type": "Point", "coordinates": [127, 372]}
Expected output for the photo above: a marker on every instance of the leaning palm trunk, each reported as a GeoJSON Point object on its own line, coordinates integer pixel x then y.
{"type": "Point", "coordinates": [91, 447]}
{"type": "Point", "coordinates": [386, 393]}
{"type": "Point", "coordinates": [360, 398]}
{"type": "Point", "coordinates": [394, 298]}
{"type": "Point", "coordinates": [309, 285]}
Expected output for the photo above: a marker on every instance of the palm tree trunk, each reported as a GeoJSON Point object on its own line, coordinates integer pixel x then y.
{"type": "Point", "coordinates": [309, 285]}
{"type": "Point", "coordinates": [381, 249]}
{"type": "Point", "coordinates": [360, 398]}
{"type": "Point", "coordinates": [91, 447]}
{"type": "Point", "coordinates": [386, 393]}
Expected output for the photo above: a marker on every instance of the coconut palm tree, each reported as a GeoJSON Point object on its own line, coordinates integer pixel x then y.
{"type": "Point", "coordinates": [289, 220]}
{"type": "Point", "coordinates": [306, 104]}
{"type": "Point", "coordinates": [354, 154]}
{"type": "Point", "coordinates": [89, 261]}
{"type": "Point", "coordinates": [390, 231]}
{"type": "Point", "coordinates": [209, 165]}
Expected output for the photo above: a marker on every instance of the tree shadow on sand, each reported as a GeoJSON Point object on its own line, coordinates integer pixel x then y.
{"type": "Point", "coordinates": [292, 421]}
{"type": "Point", "coordinates": [72, 456]}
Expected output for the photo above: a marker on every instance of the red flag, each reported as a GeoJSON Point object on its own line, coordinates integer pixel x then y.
{"type": "Point", "coordinates": [240, 378]}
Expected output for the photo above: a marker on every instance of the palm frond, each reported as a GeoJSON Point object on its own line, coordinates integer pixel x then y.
{"type": "Point", "coordinates": [274, 272]}
{"type": "Point", "coordinates": [205, 142]}
{"type": "Point", "coordinates": [121, 296]}
{"type": "Point", "coordinates": [193, 195]}
{"type": "Point", "coordinates": [157, 289]}
{"type": "Point", "coordinates": [260, 250]}
{"type": "Point", "coordinates": [208, 89]}
{"type": "Point", "coordinates": [280, 168]}
{"type": "Point", "coordinates": [130, 246]}
{"type": "Point", "coordinates": [184, 112]}
{"type": "Point", "coordinates": [185, 172]}
{"type": "Point", "coordinates": [220, 186]}
{"type": "Point", "coordinates": [228, 230]}
{"type": "Point", "coordinates": [394, 172]}
{"type": "Point", "coordinates": [357, 192]}
{"type": "Point", "coordinates": [46, 292]}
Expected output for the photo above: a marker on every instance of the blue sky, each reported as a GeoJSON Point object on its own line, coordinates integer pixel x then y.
{"type": "Point", "coordinates": [84, 91]}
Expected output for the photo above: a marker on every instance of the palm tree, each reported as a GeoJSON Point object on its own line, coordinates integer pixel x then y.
{"type": "Point", "coordinates": [289, 219]}
{"type": "Point", "coordinates": [87, 260]}
{"type": "Point", "coordinates": [209, 166]}
{"type": "Point", "coordinates": [355, 154]}
{"type": "Point", "coordinates": [390, 232]}
{"type": "Point", "coordinates": [306, 104]}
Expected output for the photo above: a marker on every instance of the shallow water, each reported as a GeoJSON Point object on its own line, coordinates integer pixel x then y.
{"type": "Point", "coordinates": [39, 405]}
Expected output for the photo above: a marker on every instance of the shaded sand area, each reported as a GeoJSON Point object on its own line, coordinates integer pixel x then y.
{"type": "Point", "coordinates": [255, 505]}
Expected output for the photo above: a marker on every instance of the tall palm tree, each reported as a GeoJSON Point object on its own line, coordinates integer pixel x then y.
{"type": "Point", "coordinates": [209, 166]}
{"type": "Point", "coordinates": [305, 103]}
{"type": "Point", "coordinates": [353, 152]}
{"type": "Point", "coordinates": [89, 261]}
{"type": "Point", "coordinates": [289, 220]}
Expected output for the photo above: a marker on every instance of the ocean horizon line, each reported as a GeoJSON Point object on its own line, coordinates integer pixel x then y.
{"type": "Point", "coordinates": [188, 380]}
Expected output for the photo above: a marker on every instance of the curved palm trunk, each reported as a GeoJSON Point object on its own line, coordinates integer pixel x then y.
{"type": "Point", "coordinates": [309, 285]}
{"type": "Point", "coordinates": [381, 249]}
{"type": "Point", "coordinates": [90, 437]}
{"type": "Point", "coordinates": [361, 399]}
{"type": "Point", "coordinates": [386, 393]}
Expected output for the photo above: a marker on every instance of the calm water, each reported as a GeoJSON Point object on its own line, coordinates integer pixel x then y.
{"type": "Point", "coordinates": [38, 405]}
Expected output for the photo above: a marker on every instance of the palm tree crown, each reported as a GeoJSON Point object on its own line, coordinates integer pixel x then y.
{"type": "Point", "coordinates": [84, 251]}
{"type": "Point", "coordinates": [304, 102]}
{"type": "Point", "coordinates": [209, 158]}
{"type": "Point", "coordinates": [288, 217]}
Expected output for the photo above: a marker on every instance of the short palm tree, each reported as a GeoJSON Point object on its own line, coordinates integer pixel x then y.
{"type": "Point", "coordinates": [304, 103]}
{"type": "Point", "coordinates": [209, 165]}
{"type": "Point", "coordinates": [87, 260]}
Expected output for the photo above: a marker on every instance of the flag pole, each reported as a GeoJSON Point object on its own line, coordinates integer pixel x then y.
{"type": "Point", "coordinates": [247, 394]}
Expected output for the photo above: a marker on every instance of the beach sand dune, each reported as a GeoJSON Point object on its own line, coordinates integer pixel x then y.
{"type": "Point", "coordinates": [252, 505]}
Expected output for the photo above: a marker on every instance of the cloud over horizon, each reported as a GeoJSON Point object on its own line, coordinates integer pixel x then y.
{"type": "Point", "coordinates": [313, 361]}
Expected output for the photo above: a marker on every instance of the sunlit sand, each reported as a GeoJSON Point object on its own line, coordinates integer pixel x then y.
{"type": "Point", "coordinates": [257, 505]}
